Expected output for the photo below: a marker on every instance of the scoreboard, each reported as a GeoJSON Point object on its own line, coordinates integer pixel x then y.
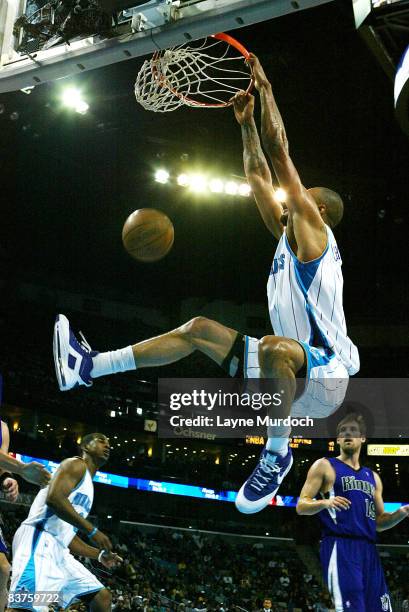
{"type": "Point", "coordinates": [317, 445]}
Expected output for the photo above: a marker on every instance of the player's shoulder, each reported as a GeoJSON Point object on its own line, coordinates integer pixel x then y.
{"type": "Point", "coordinates": [321, 466]}
{"type": "Point", "coordinates": [75, 466]}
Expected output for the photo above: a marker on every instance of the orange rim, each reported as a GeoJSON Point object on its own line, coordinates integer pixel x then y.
{"type": "Point", "coordinates": [220, 36]}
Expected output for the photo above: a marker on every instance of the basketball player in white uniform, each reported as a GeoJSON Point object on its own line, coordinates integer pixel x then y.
{"type": "Point", "coordinates": [305, 303]}
{"type": "Point", "coordinates": [43, 566]}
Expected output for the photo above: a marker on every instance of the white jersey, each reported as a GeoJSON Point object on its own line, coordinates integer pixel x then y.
{"type": "Point", "coordinates": [305, 301]}
{"type": "Point", "coordinates": [43, 517]}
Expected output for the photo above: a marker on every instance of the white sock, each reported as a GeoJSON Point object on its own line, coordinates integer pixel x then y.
{"type": "Point", "coordinates": [278, 445]}
{"type": "Point", "coordinates": [112, 362]}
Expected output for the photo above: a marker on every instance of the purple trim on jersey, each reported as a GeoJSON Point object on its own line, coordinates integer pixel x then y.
{"type": "Point", "coordinates": [359, 521]}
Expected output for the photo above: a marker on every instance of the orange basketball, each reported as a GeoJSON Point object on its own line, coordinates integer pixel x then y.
{"type": "Point", "coordinates": [148, 234]}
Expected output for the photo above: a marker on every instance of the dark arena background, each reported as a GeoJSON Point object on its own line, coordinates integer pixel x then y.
{"type": "Point", "coordinates": [70, 179]}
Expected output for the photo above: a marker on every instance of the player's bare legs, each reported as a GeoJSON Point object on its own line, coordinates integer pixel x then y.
{"type": "Point", "coordinates": [199, 334]}
{"type": "Point", "coordinates": [280, 359]}
{"type": "Point", "coordinates": [76, 364]}
{"type": "Point", "coordinates": [102, 602]}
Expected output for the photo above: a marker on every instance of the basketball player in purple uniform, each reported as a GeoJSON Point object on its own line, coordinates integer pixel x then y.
{"type": "Point", "coordinates": [351, 511]}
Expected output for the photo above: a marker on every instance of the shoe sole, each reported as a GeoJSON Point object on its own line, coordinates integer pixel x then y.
{"type": "Point", "coordinates": [245, 506]}
{"type": "Point", "coordinates": [60, 350]}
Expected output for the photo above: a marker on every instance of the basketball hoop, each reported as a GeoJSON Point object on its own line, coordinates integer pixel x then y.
{"type": "Point", "coordinates": [206, 74]}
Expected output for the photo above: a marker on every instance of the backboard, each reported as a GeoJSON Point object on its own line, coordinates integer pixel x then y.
{"type": "Point", "coordinates": [60, 38]}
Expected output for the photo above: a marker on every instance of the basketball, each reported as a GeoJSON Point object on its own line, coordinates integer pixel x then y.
{"type": "Point", "coordinates": [148, 234]}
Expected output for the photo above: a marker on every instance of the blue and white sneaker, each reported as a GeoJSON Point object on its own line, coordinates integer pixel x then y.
{"type": "Point", "coordinates": [72, 357]}
{"type": "Point", "coordinates": [260, 488]}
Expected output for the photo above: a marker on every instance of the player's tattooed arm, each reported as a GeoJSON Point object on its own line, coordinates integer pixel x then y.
{"type": "Point", "coordinates": [317, 479]}
{"type": "Point", "coordinates": [386, 520]}
{"type": "Point", "coordinates": [256, 166]}
{"type": "Point", "coordinates": [272, 126]}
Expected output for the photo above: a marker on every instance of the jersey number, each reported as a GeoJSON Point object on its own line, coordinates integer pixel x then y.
{"type": "Point", "coordinates": [370, 509]}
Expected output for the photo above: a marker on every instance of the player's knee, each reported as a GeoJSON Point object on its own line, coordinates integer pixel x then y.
{"type": "Point", "coordinates": [196, 329]}
{"type": "Point", "coordinates": [4, 569]}
{"type": "Point", "coordinates": [274, 352]}
{"type": "Point", "coordinates": [102, 600]}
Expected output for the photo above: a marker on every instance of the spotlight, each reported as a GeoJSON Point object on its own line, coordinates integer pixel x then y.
{"type": "Point", "coordinates": [244, 189]}
{"type": "Point", "coordinates": [139, 411]}
{"type": "Point", "coordinates": [231, 188]}
{"type": "Point", "coordinates": [81, 107]}
{"type": "Point", "coordinates": [183, 180]}
{"type": "Point", "coordinates": [216, 185]}
{"type": "Point", "coordinates": [198, 183]}
{"type": "Point", "coordinates": [71, 97]}
{"type": "Point", "coordinates": [280, 195]}
{"type": "Point", "coordinates": [161, 176]}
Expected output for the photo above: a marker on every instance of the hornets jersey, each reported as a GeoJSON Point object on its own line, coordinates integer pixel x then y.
{"type": "Point", "coordinates": [305, 301]}
{"type": "Point", "coordinates": [44, 518]}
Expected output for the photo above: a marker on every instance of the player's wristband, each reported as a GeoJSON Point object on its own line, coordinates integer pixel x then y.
{"type": "Point", "coordinates": [92, 533]}
{"type": "Point", "coordinates": [4, 476]}
{"type": "Point", "coordinates": [102, 552]}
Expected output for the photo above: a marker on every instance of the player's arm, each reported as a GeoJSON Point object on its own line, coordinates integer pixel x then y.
{"type": "Point", "coordinates": [33, 472]}
{"type": "Point", "coordinates": [8, 483]}
{"type": "Point", "coordinates": [255, 165]}
{"type": "Point", "coordinates": [67, 477]}
{"type": "Point", "coordinates": [386, 520]}
{"type": "Point", "coordinates": [315, 482]}
{"type": "Point", "coordinates": [79, 547]}
{"type": "Point", "coordinates": [309, 228]}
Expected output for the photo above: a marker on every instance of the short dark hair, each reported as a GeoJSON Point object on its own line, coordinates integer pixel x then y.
{"type": "Point", "coordinates": [334, 206]}
{"type": "Point", "coordinates": [89, 438]}
{"type": "Point", "coordinates": [353, 417]}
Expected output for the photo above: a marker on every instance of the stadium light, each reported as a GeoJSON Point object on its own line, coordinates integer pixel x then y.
{"type": "Point", "coordinates": [244, 189]}
{"type": "Point", "coordinates": [183, 180]}
{"type": "Point", "coordinates": [231, 188]}
{"type": "Point", "coordinates": [198, 183]}
{"type": "Point", "coordinates": [216, 185]}
{"type": "Point", "coordinates": [161, 176]}
{"type": "Point", "coordinates": [72, 98]}
{"type": "Point", "coordinates": [280, 195]}
{"type": "Point", "coordinates": [81, 107]}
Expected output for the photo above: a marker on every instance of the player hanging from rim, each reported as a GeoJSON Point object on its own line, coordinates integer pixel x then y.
{"type": "Point", "coordinates": [42, 545]}
{"type": "Point", "coordinates": [305, 304]}
{"type": "Point", "coordinates": [351, 511]}
{"type": "Point", "coordinates": [32, 472]}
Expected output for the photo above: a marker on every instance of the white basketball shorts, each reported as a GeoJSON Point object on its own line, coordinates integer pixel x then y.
{"type": "Point", "coordinates": [43, 565]}
{"type": "Point", "coordinates": [326, 380]}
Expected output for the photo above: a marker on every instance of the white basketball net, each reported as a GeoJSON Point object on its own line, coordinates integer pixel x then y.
{"type": "Point", "coordinates": [205, 75]}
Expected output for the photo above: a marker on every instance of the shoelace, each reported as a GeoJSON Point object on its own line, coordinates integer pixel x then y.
{"type": "Point", "coordinates": [259, 481]}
